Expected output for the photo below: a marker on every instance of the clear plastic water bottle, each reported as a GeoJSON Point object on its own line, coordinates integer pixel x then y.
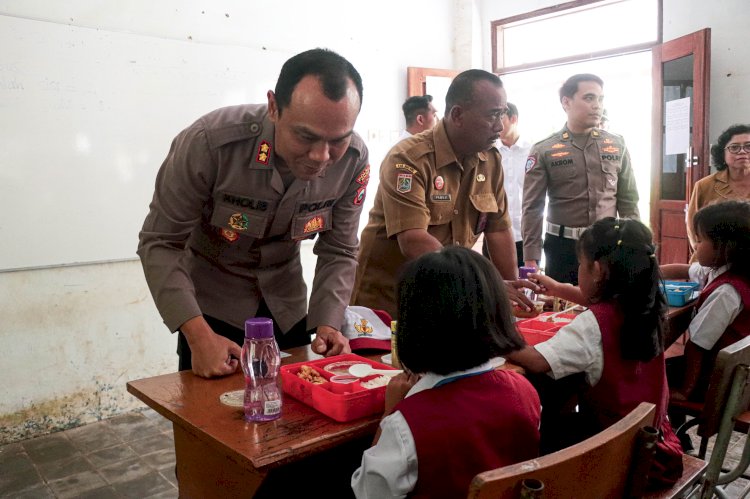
{"type": "Point", "coordinates": [261, 361]}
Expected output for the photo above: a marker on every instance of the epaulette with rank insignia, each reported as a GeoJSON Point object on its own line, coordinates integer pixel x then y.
{"type": "Point", "coordinates": [218, 137]}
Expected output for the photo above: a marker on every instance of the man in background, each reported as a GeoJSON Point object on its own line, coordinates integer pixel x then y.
{"type": "Point", "coordinates": [238, 191]}
{"type": "Point", "coordinates": [441, 187]}
{"type": "Point", "coordinates": [584, 172]}
{"type": "Point", "coordinates": [514, 151]}
{"type": "Point", "coordinates": [420, 115]}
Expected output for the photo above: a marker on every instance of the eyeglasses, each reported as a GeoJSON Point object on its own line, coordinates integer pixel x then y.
{"type": "Point", "coordinates": [736, 148]}
{"type": "Point", "coordinates": [497, 115]}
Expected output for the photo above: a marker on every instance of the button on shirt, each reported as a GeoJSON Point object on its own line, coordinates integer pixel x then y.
{"type": "Point", "coordinates": [514, 161]}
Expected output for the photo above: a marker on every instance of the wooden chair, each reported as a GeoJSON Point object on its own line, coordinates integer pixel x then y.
{"type": "Point", "coordinates": [612, 463]}
{"type": "Point", "coordinates": [724, 410]}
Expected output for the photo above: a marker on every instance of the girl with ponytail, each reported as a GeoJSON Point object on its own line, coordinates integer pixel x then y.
{"type": "Point", "coordinates": [618, 343]}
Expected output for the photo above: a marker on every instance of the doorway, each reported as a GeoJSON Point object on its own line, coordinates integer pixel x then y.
{"type": "Point", "coordinates": [628, 94]}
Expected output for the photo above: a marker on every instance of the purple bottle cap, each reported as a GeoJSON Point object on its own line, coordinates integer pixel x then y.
{"type": "Point", "coordinates": [259, 328]}
{"type": "Point", "coordinates": [523, 272]}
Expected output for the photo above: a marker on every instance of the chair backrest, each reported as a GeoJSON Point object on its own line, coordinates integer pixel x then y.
{"type": "Point", "coordinates": [598, 467]}
{"type": "Point", "coordinates": [720, 384]}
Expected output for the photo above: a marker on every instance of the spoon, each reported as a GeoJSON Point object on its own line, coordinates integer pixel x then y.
{"type": "Point", "coordinates": [362, 370]}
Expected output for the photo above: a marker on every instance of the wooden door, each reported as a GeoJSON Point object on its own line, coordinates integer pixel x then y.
{"type": "Point", "coordinates": [430, 81]}
{"type": "Point", "coordinates": [681, 69]}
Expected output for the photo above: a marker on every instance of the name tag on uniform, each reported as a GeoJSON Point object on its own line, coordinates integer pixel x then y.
{"type": "Point", "coordinates": [441, 197]}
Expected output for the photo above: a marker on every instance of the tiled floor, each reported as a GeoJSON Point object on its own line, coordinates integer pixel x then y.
{"type": "Point", "coordinates": [131, 455]}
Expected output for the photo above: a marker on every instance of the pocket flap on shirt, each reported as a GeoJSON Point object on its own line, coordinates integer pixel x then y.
{"type": "Point", "coordinates": [484, 203]}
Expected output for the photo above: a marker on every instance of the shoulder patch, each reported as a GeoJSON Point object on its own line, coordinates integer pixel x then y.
{"type": "Point", "coordinates": [364, 177]}
{"type": "Point", "coordinates": [403, 182]}
{"type": "Point", "coordinates": [359, 196]}
{"type": "Point", "coordinates": [530, 162]}
{"type": "Point", "coordinates": [404, 166]}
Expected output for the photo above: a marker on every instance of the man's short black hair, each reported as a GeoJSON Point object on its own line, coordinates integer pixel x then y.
{"type": "Point", "coordinates": [415, 105]}
{"type": "Point", "coordinates": [461, 90]}
{"type": "Point", "coordinates": [570, 87]}
{"type": "Point", "coordinates": [512, 110]}
{"type": "Point", "coordinates": [333, 71]}
{"type": "Point", "coordinates": [453, 312]}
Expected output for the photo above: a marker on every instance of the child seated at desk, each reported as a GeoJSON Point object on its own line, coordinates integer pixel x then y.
{"type": "Point", "coordinates": [618, 343]}
{"type": "Point", "coordinates": [723, 310]}
{"type": "Point", "coordinates": [450, 415]}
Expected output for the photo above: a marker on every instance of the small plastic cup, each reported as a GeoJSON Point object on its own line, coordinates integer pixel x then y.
{"type": "Point", "coordinates": [343, 383]}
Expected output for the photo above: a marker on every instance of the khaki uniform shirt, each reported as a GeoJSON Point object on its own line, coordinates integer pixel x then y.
{"type": "Point", "coordinates": [423, 186]}
{"type": "Point", "coordinates": [708, 190]}
{"type": "Point", "coordinates": [583, 184]}
{"type": "Point", "coordinates": [223, 232]}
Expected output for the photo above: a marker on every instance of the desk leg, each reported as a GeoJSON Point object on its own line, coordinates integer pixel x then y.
{"type": "Point", "coordinates": [203, 472]}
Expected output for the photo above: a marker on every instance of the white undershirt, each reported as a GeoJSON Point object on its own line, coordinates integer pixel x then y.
{"type": "Point", "coordinates": [514, 169]}
{"type": "Point", "coordinates": [718, 311]}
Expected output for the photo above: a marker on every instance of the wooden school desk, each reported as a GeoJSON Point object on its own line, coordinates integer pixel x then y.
{"type": "Point", "coordinates": [219, 454]}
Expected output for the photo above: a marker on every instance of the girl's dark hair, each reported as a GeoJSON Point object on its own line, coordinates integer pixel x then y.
{"type": "Point", "coordinates": [717, 150]}
{"type": "Point", "coordinates": [727, 225]}
{"type": "Point", "coordinates": [625, 250]}
{"type": "Point", "coordinates": [453, 313]}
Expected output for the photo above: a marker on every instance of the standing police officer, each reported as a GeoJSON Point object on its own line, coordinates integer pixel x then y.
{"type": "Point", "coordinates": [586, 174]}
{"type": "Point", "coordinates": [238, 191]}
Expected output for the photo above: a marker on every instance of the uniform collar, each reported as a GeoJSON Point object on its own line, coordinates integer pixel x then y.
{"type": "Point", "coordinates": [430, 379]}
{"type": "Point", "coordinates": [444, 153]}
{"type": "Point", "coordinates": [721, 183]}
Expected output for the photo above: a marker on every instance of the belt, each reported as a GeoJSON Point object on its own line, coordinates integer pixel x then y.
{"type": "Point", "coordinates": [563, 231]}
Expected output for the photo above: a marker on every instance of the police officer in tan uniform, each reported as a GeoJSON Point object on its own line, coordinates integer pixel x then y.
{"type": "Point", "coordinates": [239, 190]}
{"type": "Point", "coordinates": [586, 174]}
{"type": "Point", "coordinates": [442, 186]}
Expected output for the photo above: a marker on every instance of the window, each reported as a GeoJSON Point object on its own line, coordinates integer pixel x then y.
{"type": "Point", "coordinates": [545, 37]}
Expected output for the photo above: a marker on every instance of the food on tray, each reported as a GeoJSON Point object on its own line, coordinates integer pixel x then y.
{"type": "Point", "coordinates": [309, 374]}
{"type": "Point", "coordinates": [552, 318]}
{"type": "Point", "coordinates": [376, 382]}
{"type": "Point", "coordinates": [339, 368]}
{"type": "Point", "coordinates": [519, 312]}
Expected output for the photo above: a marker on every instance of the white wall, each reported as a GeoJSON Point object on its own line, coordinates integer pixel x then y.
{"type": "Point", "coordinates": [72, 336]}
{"type": "Point", "coordinates": [730, 74]}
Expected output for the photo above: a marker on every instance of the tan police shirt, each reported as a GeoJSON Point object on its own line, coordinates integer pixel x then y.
{"type": "Point", "coordinates": [423, 186]}
{"type": "Point", "coordinates": [223, 232]}
{"type": "Point", "coordinates": [583, 184]}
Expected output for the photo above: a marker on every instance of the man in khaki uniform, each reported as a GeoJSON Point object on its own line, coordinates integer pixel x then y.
{"type": "Point", "coordinates": [238, 191]}
{"type": "Point", "coordinates": [586, 174]}
{"type": "Point", "coordinates": [441, 187]}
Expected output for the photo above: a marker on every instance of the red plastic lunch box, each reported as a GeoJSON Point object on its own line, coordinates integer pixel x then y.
{"type": "Point", "coordinates": [539, 329]}
{"type": "Point", "coordinates": [341, 401]}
